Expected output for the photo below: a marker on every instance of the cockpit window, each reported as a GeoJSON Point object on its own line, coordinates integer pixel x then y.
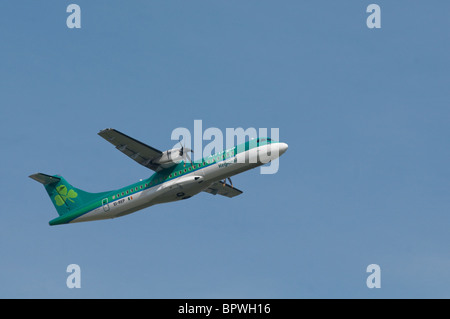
{"type": "Point", "coordinates": [263, 140]}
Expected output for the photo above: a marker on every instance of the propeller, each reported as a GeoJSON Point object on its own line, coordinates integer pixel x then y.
{"type": "Point", "coordinates": [184, 153]}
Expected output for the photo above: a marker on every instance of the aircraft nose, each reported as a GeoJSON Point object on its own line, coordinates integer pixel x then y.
{"type": "Point", "coordinates": [283, 148]}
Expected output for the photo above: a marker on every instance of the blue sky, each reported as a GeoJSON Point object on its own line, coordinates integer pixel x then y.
{"type": "Point", "coordinates": [365, 180]}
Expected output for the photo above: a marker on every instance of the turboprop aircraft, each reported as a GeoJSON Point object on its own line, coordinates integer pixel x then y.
{"type": "Point", "coordinates": [174, 179]}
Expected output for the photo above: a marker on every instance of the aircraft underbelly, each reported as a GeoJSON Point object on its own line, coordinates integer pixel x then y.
{"type": "Point", "coordinates": [183, 188]}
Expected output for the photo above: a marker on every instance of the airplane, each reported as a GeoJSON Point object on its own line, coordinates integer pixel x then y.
{"type": "Point", "coordinates": [174, 179]}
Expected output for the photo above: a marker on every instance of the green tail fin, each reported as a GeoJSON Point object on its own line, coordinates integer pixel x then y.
{"type": "Point", "coordinates": [64, 196]}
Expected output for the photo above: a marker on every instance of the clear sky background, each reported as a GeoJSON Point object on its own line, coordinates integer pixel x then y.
{"type": "Point", "coordinates": [365, 180]}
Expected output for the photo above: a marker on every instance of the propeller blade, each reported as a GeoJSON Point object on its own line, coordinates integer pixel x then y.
{"type": "Point", "coordinates": [184, 152]}
{"type": "Point", "coordinates": [182, 148]}
{"type": "Point", "coordinates": [188, 158]}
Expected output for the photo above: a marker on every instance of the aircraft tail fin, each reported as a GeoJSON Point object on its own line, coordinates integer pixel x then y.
{"type": "Point", "coordinates": [64, 196]}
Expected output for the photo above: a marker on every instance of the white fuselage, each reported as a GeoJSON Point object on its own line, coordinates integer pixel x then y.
{"type": "Point", "coordinates": [187, 185]}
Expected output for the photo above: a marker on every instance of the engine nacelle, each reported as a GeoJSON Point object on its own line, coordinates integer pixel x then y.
{"type": "Point", "coordinates": [169, 158]}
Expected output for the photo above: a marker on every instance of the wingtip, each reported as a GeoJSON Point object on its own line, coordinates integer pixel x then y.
{"type": "Point", "coordinates": [105, 130]}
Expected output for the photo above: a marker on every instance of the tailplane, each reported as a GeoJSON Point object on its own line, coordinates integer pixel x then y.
{"type": "Point", "coordinates": [64, 196]}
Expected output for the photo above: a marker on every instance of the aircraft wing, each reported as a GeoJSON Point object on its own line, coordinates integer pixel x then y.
{"type": "Point", "coordinates": [219, 188]}
{"type": "Point", "coordinates": [138, 151]}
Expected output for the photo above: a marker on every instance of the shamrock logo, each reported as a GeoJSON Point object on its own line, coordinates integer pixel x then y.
{"type": "Point", "coordinates": [64, 195]}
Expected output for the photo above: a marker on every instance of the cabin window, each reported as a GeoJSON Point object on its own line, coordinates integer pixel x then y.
{"type": "Point", "coordinates": [127, 192]}
{"type": "Point", "coordinates": [175, 174]}
{"type": "Point", "coordinates": [185, 170]}
{"type": "Point", "coordinates": [170, 175]}
{"type": "Point", "coordinates": [114, 196]}
{"type": "Point", "coordinates": [118, 195]}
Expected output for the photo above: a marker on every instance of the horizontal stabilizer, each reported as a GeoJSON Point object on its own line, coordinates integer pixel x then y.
{"type": "Point", "coordinates": [45, 179]}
